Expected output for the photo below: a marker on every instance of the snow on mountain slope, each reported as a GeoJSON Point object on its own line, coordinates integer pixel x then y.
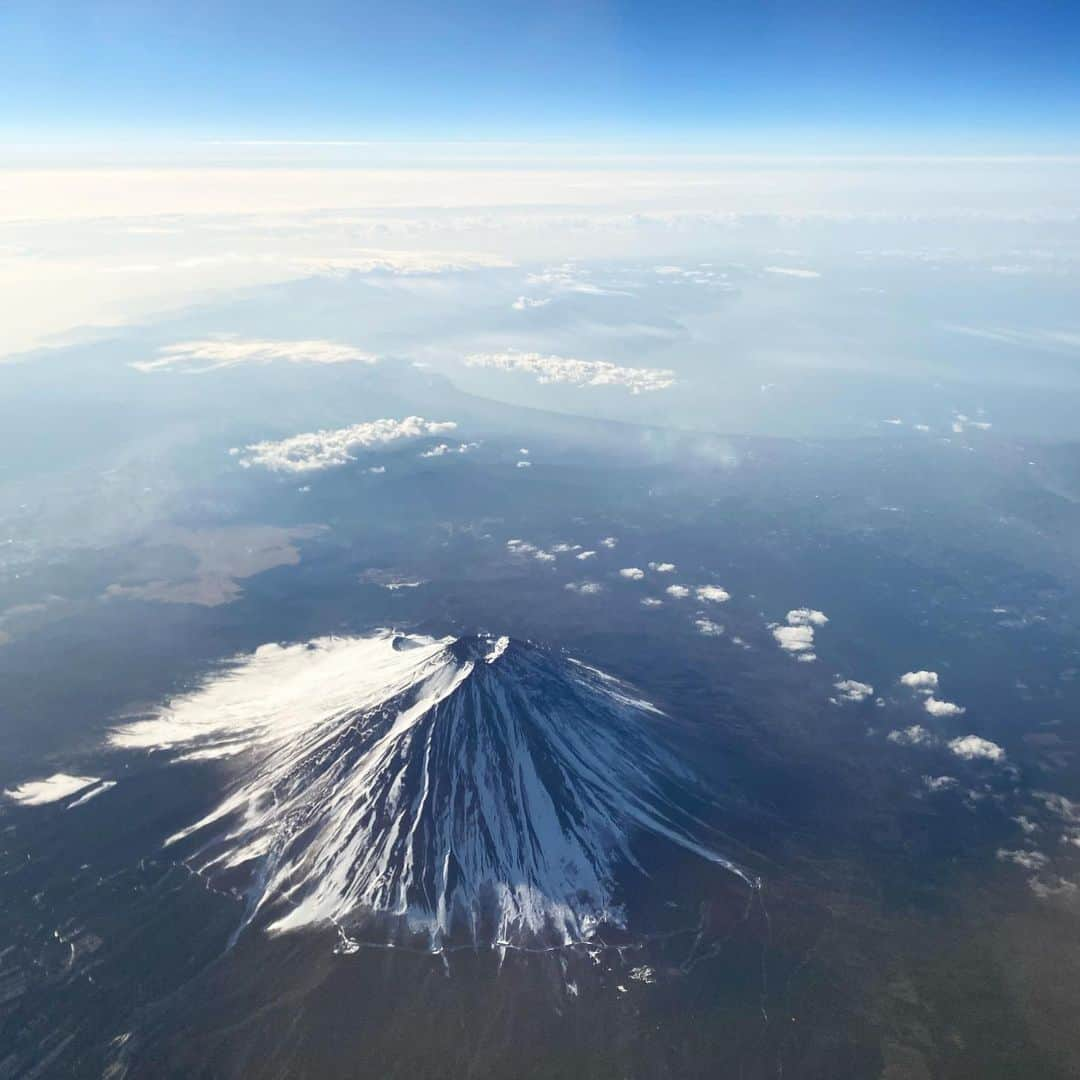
{"type": "Point", "coordinates": [478, 788]}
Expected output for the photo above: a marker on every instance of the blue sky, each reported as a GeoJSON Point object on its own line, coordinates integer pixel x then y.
{"type": "Point", "coordinates": [958, 76]}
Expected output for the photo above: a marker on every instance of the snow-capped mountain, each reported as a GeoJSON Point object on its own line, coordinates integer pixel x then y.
{"type": "Point", "coordinates": [475, 788]}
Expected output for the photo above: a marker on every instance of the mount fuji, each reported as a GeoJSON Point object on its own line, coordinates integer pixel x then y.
{"type": "Point", "coordinates": [475, 789]}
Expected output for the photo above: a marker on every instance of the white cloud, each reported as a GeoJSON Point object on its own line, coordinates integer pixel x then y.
{"type": "Point", "coordinates": [662, 567]}
{"type": "Point", "coordinates": [632, 573]}
{"type": "Point", "coordinates": [942, 708]}
{"type": "Point", "coordinates": [923, 681]}
{"type": "Point", "coordinates": [609, 541]}
{"type": "Point", "coordinates": [916, 735]}
{"type": "Point", "coordinates": [806, 617]}
{"type": "Point", "coordinates": [524, 465]}
{"type": "Point", "coordinates": [444, 448]}
{"type": "Point", "coordinates": [51, 789]}
{"type": "Point", "coordinates": [584, 588]}
{"type": "Point", "coordinates": [329, 449]}
{"type": "Point", "coordinates": [794, 639]}
{"type": "Point", "coordinates": [544, 556]}
{"type": "Point", "coordinates": [652, 602]}
{"type": "Point", "coordinates": [962, 422]}
{"type": "Point", "coordinates": [562, 369]}
{"type": "Point", "coordinates": [586, 555]}
{"type": "Point", "coordinates": [851, 690]}
{"type": "Point", "coordinates": [970, 747]}
{"type": "Point", "coordinates": [678, 592]}
{"type": "Point", "coordinates": [197, 357]}
{"type": "Point", "coordinates": [1046, 890]}
{"type": "Point", "coordinates": [523, 303]}
{"type": "Point", "coordinates": [1028, 860]}
{"type": "Point", "coordinates": [939, 783]}
{"type": "Point", "coordinates": [790, 271]}
{"type": "Point", "coordinates": [798, 636]}
{"type": "Point", "coordinates": [713, 593]}
{"type": "Point", "coordinates": [708, 627]}
{"type": "Point", "coordinates": [92, 793]}
{"type": "Point", "coordinates": [521, 547]}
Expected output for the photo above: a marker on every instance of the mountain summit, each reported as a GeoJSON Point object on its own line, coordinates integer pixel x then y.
{"type": "Point", "coordinates": [476, 788]}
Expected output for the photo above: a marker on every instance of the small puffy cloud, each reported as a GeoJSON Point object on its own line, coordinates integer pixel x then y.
{"type": "Point", "coordinates": [445, 448]}
{"type": "Point", "coordinates": [632, 573]}
{"type": "Point", "coordinates": [794, 639]}
{"type": "Point", "coordinates": [652, 602]}
{"type": "Point", "coordinates": [1048, 890]}
{"type": "Point", "coordinates": [923, 681]}
{"type": "Point", "coordinates": [524, 303]}
{"type": "Point", "coordinates": [197, 357]}
{"type": "Point", "coordinates": [713, 593]}
{"type": "Point", "coordinates": [1028, 860]}
{"type": "Point", "coordinates": [791, 271]}
{"type": "Point", "coordinates": [51, 789]}
{"type": "Point", "coordinates": [806, 617]}
{"type": "Point", "coordinates": [662, 567]}
{"type": "Point", "coordinates": [521, 547]}
{"type": "Point", "coordinates": [375, 470]}
{"type": "Point", "coordinates": [677, 592]}
{"type": "Point", "coordinates": [544, 556]}
{"type": "Point", "coordinates": [935, 707]}
{"type": "Point", "coordinates": [524, 464]}
{"type": "Point", "coordinates": [797, 637]}
{"type": "Point", "coordinates": [708, 627]}
{"type": "Point", "coordinates": [609, 541]}
{"type": "Point", "coordinates": [329, 449]}
{"type": "Point", "coordinates": [524, 450]}
{"type": "Point", "coordinates": [584, 588]}
{"type": "Point", "coordinates": [962, 422]}
{"type": "Point", "coordinates": [563, 369]}
{"type": "Point", "coordinates": [852, 690]}
{"type": "Point", "coordinates": [939, 783]}
{"type": "Point", "coordinates": [972, 747]}
{"type": "Point", "coordinates": [916, 735]}
{"type": "Point", "coordinates": [585, 555]}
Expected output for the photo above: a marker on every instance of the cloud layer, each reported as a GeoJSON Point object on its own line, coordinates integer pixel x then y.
{"type": "Point", "coordinates": [211, 354]}
{"type": "Point", "coordinates": [563, 369]}
{"type": "Point", "coordinates": [317, 450]}
{"type": "Point", "coordinates": [51, 789]}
